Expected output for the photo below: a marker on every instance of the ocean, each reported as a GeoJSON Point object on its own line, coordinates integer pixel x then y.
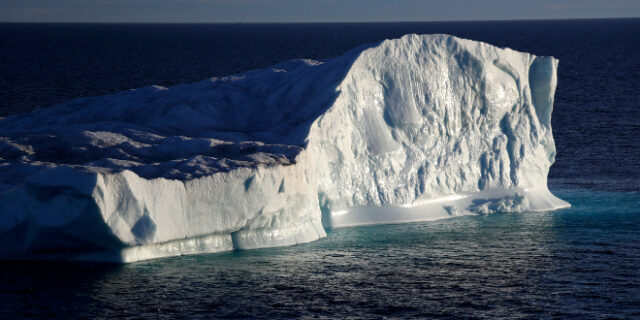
{"type": "Point", "coordinates": [582, 262]}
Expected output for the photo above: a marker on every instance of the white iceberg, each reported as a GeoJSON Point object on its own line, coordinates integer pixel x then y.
{"type": "Point", "coordinates": [417, 128]}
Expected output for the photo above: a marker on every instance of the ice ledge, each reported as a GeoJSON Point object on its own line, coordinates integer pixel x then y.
{"type": "Point", "coordinates": [213, 243]}
{"type": "Point", "coordinates": [483, 202]}
{"type": "Point", "coordinates": [504, 201]}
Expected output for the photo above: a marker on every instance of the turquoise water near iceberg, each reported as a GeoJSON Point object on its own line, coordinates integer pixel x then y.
{"type": "Point", "coordinates": [580, 262]}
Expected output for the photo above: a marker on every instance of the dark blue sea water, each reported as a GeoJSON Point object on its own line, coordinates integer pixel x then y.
{"type": "Point", "coordinates": [579, 263]}
{"type": "Point", "coordinates": [582, 262]}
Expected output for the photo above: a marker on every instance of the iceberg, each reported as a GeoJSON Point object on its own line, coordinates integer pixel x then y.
{"type": "Point", "coordinates": [418, 128]}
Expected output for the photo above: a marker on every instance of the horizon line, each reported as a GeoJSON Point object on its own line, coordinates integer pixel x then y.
{"type": "Point", "coordinates": [318, 22]}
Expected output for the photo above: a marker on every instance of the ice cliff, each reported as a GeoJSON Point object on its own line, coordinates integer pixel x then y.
{"type": "Point", "coordinates": [417, 128]}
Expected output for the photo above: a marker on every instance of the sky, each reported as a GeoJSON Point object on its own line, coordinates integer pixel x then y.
{"type": "Point", "coordinates": [308, 10]}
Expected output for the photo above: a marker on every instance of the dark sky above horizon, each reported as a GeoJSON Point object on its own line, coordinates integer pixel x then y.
{"type": "Point", "coordinates": [308, 10]}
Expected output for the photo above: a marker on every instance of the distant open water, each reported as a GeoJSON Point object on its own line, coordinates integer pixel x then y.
{"type": "Point", "coordinates": [581, 262]}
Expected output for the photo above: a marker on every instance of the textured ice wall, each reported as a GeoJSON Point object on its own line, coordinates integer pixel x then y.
{"type": "Point", "coordinates": [426, 116]}
{"type": "Point", "coordinates": [417, 128]}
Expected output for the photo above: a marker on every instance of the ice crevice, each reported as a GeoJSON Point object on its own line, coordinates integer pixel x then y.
{"type": "Point", "coordinates": [418, 128]}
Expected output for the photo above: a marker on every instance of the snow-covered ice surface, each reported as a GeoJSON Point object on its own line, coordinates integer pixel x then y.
{"type": "Point", "coordinates": [417, 128]}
